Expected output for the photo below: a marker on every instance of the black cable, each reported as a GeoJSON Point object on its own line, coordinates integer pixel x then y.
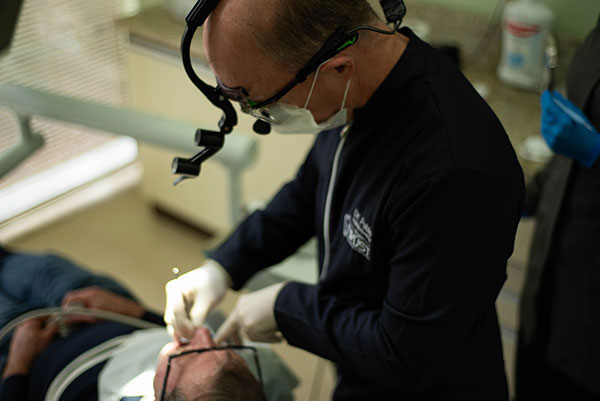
{"type": "Point", "coordinates": [229, 119]}
{"type": "Point", "coordinates": [186, 43]}
{"type": "Point", "coordinates": [373, 29]}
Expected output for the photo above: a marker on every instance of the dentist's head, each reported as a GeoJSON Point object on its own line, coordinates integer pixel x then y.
{"type": "Point", "coordinates": [258, 47]}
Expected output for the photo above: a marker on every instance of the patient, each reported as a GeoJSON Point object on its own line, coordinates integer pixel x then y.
{"type": "Point", "coordinates": [36, 354]}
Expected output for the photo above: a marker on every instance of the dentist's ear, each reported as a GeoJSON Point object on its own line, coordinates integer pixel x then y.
{"type": "Point", "coordinates": [341, 64]}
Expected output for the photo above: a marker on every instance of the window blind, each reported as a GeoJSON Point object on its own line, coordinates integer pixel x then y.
{"type": "Point", "coordinates": [73, 48]}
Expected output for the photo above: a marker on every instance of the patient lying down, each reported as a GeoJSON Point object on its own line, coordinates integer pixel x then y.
{"type": "Point", "coordinates": [138, 369]}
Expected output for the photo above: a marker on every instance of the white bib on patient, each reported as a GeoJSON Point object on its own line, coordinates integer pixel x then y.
{"type": "Point", "coordinates": [130, 373]}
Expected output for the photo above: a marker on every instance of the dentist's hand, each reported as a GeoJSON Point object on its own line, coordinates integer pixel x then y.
{"type": "Point", "coordinates": [567, 130]}
{"type": "Point", "coordinates": [253, 315]}
{"type": "Point", "coordinates": [191, 296]}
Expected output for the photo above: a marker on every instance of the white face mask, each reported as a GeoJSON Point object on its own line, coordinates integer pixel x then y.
{"type": "Point", "coordinates": [296, 120]}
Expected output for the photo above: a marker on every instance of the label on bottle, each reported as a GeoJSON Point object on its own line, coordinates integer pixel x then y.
{"type": "Point", "coordinates": [521, 29]}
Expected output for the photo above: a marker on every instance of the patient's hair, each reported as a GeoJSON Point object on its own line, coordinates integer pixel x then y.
{"type": "Point", "coordinates": [175, 395]}
{"type": "Point", "coordinates": [233, 382]}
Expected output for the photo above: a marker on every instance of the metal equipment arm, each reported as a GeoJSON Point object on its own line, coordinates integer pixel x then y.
{"type": "Point", "coordinates": [238, 154]}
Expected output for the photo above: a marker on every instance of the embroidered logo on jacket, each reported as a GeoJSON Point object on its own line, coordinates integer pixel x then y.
{"type": "Point", "coordinates": [358, 233]}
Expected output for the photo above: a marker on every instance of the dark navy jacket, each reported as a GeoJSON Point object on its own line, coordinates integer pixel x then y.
{"type": "Point", "coordinates": [425, 200]}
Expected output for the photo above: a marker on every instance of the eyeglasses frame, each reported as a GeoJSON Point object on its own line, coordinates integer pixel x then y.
{"type": "Point", "coordinates": [202, 350]}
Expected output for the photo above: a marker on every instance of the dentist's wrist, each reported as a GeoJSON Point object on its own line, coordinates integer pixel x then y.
{"type": "Point", "coordinates": [218, 270]}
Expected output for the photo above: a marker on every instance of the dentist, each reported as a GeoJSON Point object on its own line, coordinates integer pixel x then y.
{"type": "Point", "coordinates": [412, 190]}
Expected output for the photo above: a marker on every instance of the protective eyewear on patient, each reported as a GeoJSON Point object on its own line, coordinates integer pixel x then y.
{"type": "Point", "coordinates": [200, 351]}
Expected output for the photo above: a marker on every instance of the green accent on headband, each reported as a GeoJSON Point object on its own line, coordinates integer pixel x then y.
{"type": "Point", "coordinates": [348, 43]}
{"type": "Point", "coordinates": [251, 103]}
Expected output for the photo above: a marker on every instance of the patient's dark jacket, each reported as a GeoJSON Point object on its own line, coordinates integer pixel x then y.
{"type": "Point", "coordinates": [59, 354]}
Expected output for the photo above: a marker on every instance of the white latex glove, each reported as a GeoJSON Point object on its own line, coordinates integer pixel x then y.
{"type": "Point", "coordinates": [191, 296]}
{"type": "Point", "coordinates": [254, 315]}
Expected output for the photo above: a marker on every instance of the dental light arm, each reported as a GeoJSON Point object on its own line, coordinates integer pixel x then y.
{"type": "Point", "coordinates": [28, 144]}
{"type": "Point", "coordinates": [239, 153]}
{"type": "Point", "coordinates": [211, 141]}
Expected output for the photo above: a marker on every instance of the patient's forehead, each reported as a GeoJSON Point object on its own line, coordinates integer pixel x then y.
{"type": "Point", "coordinates": [201, 371]}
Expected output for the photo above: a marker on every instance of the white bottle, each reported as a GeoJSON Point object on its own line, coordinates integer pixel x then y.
{"type": "Point", "coordinates": [526, 26]}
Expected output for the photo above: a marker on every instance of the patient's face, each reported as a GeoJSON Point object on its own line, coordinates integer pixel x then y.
{"type": "Point", "coordinates": [195, 370]}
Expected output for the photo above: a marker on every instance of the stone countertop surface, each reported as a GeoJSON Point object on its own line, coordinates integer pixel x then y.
{"type": "Point", "coordinates": [477, 38]}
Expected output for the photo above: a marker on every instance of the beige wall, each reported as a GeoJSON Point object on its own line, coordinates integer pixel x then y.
{"type": "Point", "coordinates": [573, 17]}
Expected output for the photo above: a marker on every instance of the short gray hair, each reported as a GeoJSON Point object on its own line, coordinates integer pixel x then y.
{"type": "Point", "coordinates": [300, 27]}
{"type": "Point", "coordinates": [175, 395]}
{"type": "Point", "coordinates": [235, 382]}
{"type": "Point", "coordinates": [232, 382]}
